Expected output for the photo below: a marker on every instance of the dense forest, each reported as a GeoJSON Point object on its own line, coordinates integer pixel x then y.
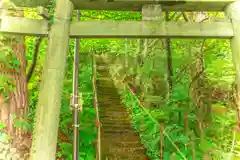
{"type": "Point", "coordinates": [179, 93]}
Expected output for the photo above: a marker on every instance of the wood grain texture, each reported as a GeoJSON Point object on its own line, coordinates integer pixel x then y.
{"type": "Point", "coordinates": [121, 29]}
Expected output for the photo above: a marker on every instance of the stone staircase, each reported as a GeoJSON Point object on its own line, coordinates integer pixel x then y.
{"type": "Point", "coordinates": [119, 140]}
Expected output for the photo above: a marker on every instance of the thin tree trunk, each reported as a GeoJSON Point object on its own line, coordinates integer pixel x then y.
{"type": "Point", "coordinates": [197, 77]}
{"type": "Point", "coordinates": [161, 141]}
{"type": "Point", "coordinates": [169, 60]}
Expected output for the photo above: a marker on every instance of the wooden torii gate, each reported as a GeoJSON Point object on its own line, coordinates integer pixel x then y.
{"type": "Point", "coordinates": [63, 28]}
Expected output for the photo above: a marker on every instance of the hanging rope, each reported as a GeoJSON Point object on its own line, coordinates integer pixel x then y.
{"type": "Point", "coordinates": [75, 98]}
{"type": "Point", "coordinates": [95, 103]}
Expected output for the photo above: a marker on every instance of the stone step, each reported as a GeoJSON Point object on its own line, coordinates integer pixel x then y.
{"type": "Point", "coordinates": [105, 85]}
{"type": "Point", "coordinates": [117, 123]}
{"type": "Point", "coordinates": [116, 98]}
{"type": "Point", "coordinates": [107, 100]}
{"type": "Point", "coordinates": [109, 138]}
{"type": "Point", "coordinates": [103, 79]}
{"type": "Point", "coordinates": [104, 74]}
{"type": "Point", "coordinates": [125, 151]}
{"type": "Point", "coordinates": [111, 86]}
{"type": "Point", "coordinates": [100, 62]}
{"type": "Point", "coordinates": [108, 88]}
{"type": "Point", "coordinates": [113, 114]}
{"type": "Point", "coordinates": [102, 68]}
{"type": "Point", "coordinates": [118, 128]}
{"type": "Point", "coordinates": [115, 120]}
{"type": "Point", "coordinates": [121, 120]}
{"type": "Point", "coordinates": [126, 157]}
{"type": "Point", "coordinates": [119, 138]}
{"type": "Point", "coordinates": [109, 106]}
{"type": "Point", "coordinates": [106, 95]}
{"type": "Point", "coordinates": [113, 103]}
{"type": "Point", "coordinates": [108, 122]}
{"type": "Point", "coordinates": [107, 92]}
{"type": "Point", "coordinates": [117, 132]}
{"type": "Point", "coordinates": [127, 144]}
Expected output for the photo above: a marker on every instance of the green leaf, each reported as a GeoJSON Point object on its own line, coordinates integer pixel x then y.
{"type": "Point", "coordinates": [23, 124]}
{"type": "Point", "coordinates": [3, 137]}
{"type": "Point", "coordinates": [2, 125]}
{"type": "Point", "coordinates": [51, 21]}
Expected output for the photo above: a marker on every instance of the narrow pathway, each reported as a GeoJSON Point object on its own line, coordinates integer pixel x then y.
{"type": "Point", "coordinates": [119, 140]}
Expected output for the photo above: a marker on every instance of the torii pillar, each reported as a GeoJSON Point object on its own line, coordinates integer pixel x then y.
{"type": "Point", "coordinates": [233, 13]}
{"type": "Point", "coordinates": [49, 102]}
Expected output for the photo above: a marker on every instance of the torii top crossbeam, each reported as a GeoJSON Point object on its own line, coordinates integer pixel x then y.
{"type": "Point", "coordinates": [136, 5]}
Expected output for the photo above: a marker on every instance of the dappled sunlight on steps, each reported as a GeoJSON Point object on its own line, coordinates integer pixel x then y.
{"type": "Point", "coordinates": [119, 139]}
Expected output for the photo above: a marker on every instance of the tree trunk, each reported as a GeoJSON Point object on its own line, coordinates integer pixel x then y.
{"type": "Point", "coordinates": [13, 95]}
{"type": "Point", "coordinates": [199, 91]}
{"type": "Point", "coordinates": [197, 83]}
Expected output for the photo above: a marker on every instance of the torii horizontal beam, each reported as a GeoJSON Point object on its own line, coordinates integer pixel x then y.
{"type": "Point", "coordinates": [167, 5]}
{"type": "Point", "coordinates": [121, 29]}
{"type": "Point", "coordinates": [136, 5]}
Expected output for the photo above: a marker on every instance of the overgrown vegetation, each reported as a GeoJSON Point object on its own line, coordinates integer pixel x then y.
{"type": "Point", "coordinates": [169, 130]}
{"type": "Point", "coordinates": [181, 136]}
{"type": "Point", "coordinates": [87, 122]}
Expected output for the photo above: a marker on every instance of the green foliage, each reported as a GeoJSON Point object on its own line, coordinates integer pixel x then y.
{"type": "Point", "coordinates": [7, 61]}
{"type": "Point", "coordinates": [3, 136]}
{"type": "Point", "coordinates": [217, 138]}
{"type": "Point", "coordinates": [148, 129]}
{"type": "Point", "coordinates": [219, 72]}
{"type": "Point", "coordinates": [87, 123]}
{"type": "Point", "coordinates": [7, 58]}
{"type": "Point", "coordinates": [51, 11]}
{"type": "Point", "coordinates": [23, 124]}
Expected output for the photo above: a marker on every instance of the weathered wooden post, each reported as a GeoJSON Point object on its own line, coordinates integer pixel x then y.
{"type": "Point", "coordinates": [48, 108]}
{"type": "Point", "coordinates": [233, 13]}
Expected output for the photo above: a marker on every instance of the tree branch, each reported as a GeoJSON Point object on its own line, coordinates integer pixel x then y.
{"type": "Point", "coordinates": [185, 17]}
{"type": "Point", "coordinates": [34, 60]}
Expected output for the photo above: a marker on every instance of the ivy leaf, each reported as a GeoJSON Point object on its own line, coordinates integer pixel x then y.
{"type": "Point", "coordinates": [23, 125]}
{"type": "Point", "coordinates": [51, 21]}
{"type": "Point", "coordinates": [4, 137]}
{"type": "Point", "coordinates": [2, 125]}
{"type": "Point", "coordinates": [28, 57]}
{"type": "Point", "coordinates": [16, 62]}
